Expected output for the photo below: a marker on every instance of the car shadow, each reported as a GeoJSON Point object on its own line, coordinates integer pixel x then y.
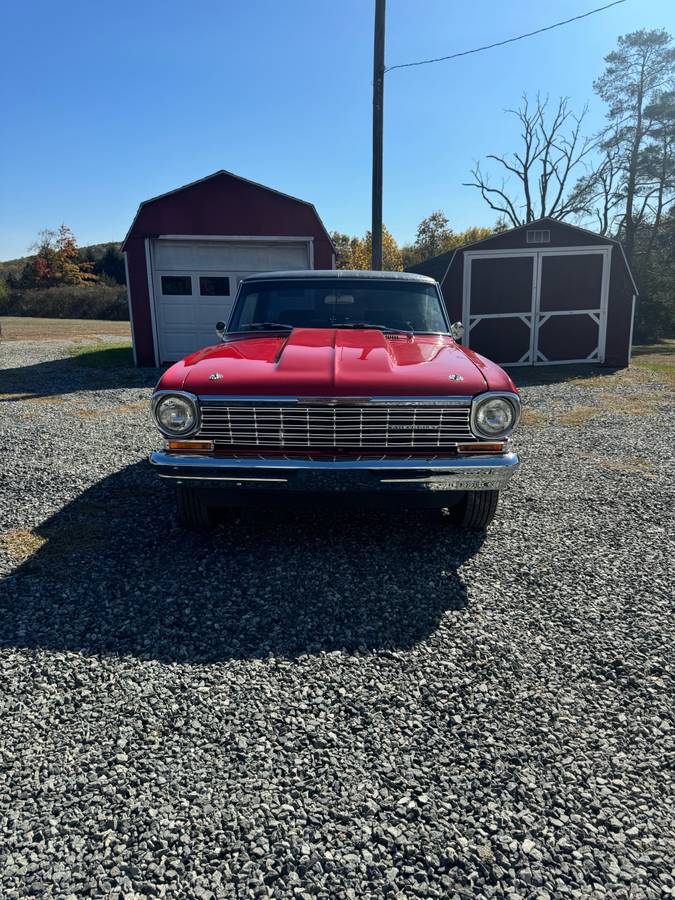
{"type": "Point", "coordinates": [96, 371]}
{"type": "Point", "coordinates": [114, 575]}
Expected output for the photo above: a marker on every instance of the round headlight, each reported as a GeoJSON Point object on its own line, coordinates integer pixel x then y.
{"type": "Point", "coordinates": [176, 414]}
{"type": "Point", "coordinates": [494, 417]}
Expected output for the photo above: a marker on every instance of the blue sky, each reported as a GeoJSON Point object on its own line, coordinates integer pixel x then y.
{"type": "Point", "coordinates": [105, 105]}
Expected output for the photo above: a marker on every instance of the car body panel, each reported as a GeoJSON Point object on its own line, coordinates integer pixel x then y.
{"type": "Point", "coordinates": [325, 362]}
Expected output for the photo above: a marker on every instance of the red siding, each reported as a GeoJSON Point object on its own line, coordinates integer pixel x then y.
{"type": "Point", "coordinates": [140, 302]}
{"type": "Point", "coordinates": [220, 205]}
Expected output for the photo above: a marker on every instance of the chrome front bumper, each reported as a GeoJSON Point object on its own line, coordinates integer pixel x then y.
{"type": "Point", "coordinates": [460, 473]}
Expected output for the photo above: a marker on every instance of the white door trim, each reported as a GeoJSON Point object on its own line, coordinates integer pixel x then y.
{"type": "Point", "coordinates": [534, 329]}
{"type": "Point", "coordinates": [237, 238]}
{"type": "Point", "coordinates": [604, 303]}
{"type": "Point", "coordinates": [470, 320]}
{"type": "Point", "coordinates": [151, 290]}
{"type": "Point", "coordinates": [556, 251]}
{"type": "Point", "coordinates": [632, 323]}
{"type": "Point", "coordinates": [537, 255]}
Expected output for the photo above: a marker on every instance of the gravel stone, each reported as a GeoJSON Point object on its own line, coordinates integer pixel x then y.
{"type": "Point", "coordinates": [327, 704]}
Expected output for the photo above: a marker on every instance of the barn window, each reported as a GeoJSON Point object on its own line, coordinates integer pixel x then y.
{"type": "Point", "coordinates": [539, 236]}
{"type": "Point", "coordinates": [173, 285]}
{"type": "Point", "coordinates": [214, 286]}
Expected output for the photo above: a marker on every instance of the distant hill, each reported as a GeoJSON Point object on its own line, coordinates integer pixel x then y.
{"type": "Point", "coordinates": [91, 251]}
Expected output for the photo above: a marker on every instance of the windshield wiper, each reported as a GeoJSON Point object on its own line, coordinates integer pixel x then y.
{"type": "Point", "coordinates": [268, 326]}
{"type": "Point", "coordinates": [372, 325]}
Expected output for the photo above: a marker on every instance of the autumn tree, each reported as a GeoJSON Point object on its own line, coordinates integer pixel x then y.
{"type": "Point", "coordinates": [56, 261]}
{"type": "Point", "coordinates": [433, 235]}
{"type": "Point", "coordinates": [540, 177]}
{"type": "Point", "coordinates": [437, 237]}
{"type": "Point", "coordinates": [392, 260]}
{"type": "Point", "coordinates": [470, 235]}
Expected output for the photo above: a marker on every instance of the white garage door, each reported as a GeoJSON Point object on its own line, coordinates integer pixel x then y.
{"type": "Point", "coordinates": [195, 282]}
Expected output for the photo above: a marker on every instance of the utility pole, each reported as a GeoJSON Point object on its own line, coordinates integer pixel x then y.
{"type": "Point", "coordinates": [378, 121]}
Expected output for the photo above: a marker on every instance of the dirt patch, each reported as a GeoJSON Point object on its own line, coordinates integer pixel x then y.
{"type": "Point", "coordinates": [616, 403]}
{"type": "Point", "coordinates": [28, 547]}
{"type": "Point", "coordinates": [112, 411]}
{"type": "Point", "coordinates": [532, 417]}
{"type": "Point", "coordinates": [580, 415]}
{"type": "Point", "coordinates": [613, 380]}
{"type": "Point", "coordinates": [16, 396]}
{"type": "Point", "coordinates": [29, 328]}
{"type": "Point", "coordinates": [32, 398]}
{"type": "Point", "coordinates": [20, 543]}
{"type": "Point", "coordinates": [636, 465]}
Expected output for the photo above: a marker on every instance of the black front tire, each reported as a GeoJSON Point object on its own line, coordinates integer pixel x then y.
{"type": "Point", "coordinates": [475, 510]}
{"type": "Point", "coordinates": [191, 510]}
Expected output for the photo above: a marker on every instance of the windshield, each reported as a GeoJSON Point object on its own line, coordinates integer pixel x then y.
{"type": "Point", "coordinates": [336, 303]}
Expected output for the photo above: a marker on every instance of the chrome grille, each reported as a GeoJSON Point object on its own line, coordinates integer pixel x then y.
{"type": "Point", "coordinates": [343, 426]}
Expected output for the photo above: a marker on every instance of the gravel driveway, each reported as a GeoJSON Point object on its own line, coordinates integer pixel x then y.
{"type": "Point", "coordinates": [332, 704]}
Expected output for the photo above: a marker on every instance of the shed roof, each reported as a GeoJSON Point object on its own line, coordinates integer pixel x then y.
{"type": "Point", "coordinates": [437, 266]}
{"type": "Point", "coordinates": [222, 173]}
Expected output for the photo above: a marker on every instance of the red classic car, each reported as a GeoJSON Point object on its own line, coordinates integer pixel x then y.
{"type": "Point", "coordinates": [342, 384]}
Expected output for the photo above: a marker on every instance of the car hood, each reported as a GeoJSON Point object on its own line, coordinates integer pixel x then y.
{"type": "Point", "coordinates": [326, 362]}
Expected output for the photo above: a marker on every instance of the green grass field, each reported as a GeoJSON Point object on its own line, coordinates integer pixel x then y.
{"type": "Point", "coordinates": [103, 355]}
{"type": "Point", "coordinates": [658, 358]}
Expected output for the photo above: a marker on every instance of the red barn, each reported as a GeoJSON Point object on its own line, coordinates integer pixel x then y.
{"type": "Point", "coordinates": [187, 251]}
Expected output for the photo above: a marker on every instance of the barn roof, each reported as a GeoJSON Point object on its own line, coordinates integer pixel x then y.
{"type": "Point", "coordinates": [220, 174]}
{"type": "Point", "coordinates": [437, 266]}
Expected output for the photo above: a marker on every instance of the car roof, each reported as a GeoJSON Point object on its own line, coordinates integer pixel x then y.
{"type": "Point", "coordinates": [360, 274]}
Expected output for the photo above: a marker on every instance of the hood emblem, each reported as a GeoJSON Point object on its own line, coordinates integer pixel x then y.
{"type": "Point", "coordinates": [456, 377]}
{"type": "Point", "coordinates": [216, 376]}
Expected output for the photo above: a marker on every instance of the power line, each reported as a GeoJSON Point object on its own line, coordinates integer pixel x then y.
{"type": "Point", "coordinates": [426, 62]}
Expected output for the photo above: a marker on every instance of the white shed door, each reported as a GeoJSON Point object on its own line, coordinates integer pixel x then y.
{"type": "Point", "coordinates": [195, 283]}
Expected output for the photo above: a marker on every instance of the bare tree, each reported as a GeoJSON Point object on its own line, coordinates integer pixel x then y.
{"type": "Point", "coordinates": [545, 168]}
{"type": "Point", "coordinates": [600, 191]}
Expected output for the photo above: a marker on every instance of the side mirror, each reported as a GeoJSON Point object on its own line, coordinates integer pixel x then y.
{"type": "Point", "coordinates": [457, 331]}
{"type": "Point", "coordinates": [221, 328]}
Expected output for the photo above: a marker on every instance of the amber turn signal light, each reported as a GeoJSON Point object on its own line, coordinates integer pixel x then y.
{"type": "Point", "coordinates": [482, 447]}
{"type": "Point", "coordinates": [190, 445]}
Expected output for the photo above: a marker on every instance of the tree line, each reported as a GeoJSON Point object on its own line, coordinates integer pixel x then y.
{"type": "Point", "coordinates": [434, 235]}
{"type": "Point", "coordinates": [620, 181]}
{"type": "Point", "coordinates": [62, 280]}
{"type": "Point", "coordinates": [57, 261]}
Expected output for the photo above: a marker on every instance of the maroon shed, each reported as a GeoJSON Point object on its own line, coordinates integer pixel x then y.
{"type": "Point", "coordinates": [187, 251]}
{"type": "Point", "coordinates": [541, 294]}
